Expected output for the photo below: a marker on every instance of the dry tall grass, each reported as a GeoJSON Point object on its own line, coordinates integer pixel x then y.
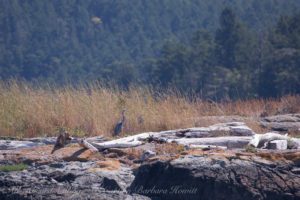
{"type": "Point", "coordinates": [28, 111]}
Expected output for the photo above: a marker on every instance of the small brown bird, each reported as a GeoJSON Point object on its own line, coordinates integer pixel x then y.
{"type": "Point", "coordinates": [63, 139]}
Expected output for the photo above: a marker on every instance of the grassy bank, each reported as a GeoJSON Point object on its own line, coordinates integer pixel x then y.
{"type": "Point", "coordinates": [29, 111]}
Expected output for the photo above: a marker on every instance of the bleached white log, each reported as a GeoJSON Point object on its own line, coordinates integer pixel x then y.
{"type": "Point", "coordinates": [126, 142]}
{"type": "Point", "coordinates": [229, 141]}
{"type": "Point", "coordinates": [260, 140]}
{"type": "Point", "coordinates": [107, 145]}
{"type": "Point", "coordinates": [84, 143]}
{"type": "Point", "coordinates": [207, 136]}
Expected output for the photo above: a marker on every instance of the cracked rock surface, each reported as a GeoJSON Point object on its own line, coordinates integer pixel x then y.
{"type": "Point", "coordinates": [66, 181]}
{"type": "Point", "coordinates": [193, 174]}
{"type": "Point", "coordinates": [287, 122]}
{"type": "Point", "coordinates": [218, 177]}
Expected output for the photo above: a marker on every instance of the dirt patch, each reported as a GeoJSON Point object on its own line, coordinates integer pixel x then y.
{"type": "Point", "coordinates": [107, 164]}
{"type": "Point", "coordinates": [43, 154]}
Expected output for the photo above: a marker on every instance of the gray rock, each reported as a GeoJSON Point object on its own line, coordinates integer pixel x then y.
{"type": "Point", "coordinates": [61, 176]}
{"type": "Point", "coordinates": [277, 144]}
{"type": "Point", "coordinates": [147, 154]}
{"type": "Point", "coordinates": [228, 141]}
{"type": "Point", "coordinates": [194, 177]}
{"type": "Point", "coordinates": [281, 122]}
{"type": "Point", "coordinates": [221, 129]}
{"type": "Point", "coordinates": [296, 170]}
{"type": "Point", "coordinates": [294, 143]}
{"type": "Point", "coordinates": [282, 118]}
{"type": "Point", "coordinates": [11, 145]}
{"type": "Point", "coordinates": [110, 184]}
{"type": "Point", "coordinates": [66, 182]}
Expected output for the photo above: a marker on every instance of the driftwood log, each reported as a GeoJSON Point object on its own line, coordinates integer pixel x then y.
{"type": "Point", "coordinates": [85, 144]}
{"type": "Point", "coordinates": [223, 135]}
{"type": "Point", "coordinates": [262, 140]}
{"type": "Point", "coordinates": [234, 135]}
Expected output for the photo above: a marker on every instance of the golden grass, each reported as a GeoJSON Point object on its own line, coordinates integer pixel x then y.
{"type": "Point", "coordinates": [30, 111]}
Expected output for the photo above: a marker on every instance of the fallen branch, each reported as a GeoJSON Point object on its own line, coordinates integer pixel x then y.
{"type": "Point", "coordinates": [126, 142]}
{"type": "Point", "coordinates": [85, 144]}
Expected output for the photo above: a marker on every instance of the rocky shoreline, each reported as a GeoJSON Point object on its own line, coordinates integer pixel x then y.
{"type": "Point", "coordinates": [155, 169]}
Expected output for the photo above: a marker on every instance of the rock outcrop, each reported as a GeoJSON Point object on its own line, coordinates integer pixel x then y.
{"type": "Point", "coordinates": [287, 122]}
{"type": "Point", "coordinates": [218, 177]}
{"type": "Point", "coordinates": [73, 180]}
{"type": "Point", "coordinates": [195, 174]}
{"type": "Point", "coordinates": [223, 161]}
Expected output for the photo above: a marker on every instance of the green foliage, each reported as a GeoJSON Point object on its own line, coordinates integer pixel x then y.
{"type": "Point", "coordinates": [79, 131]}
{"type": "Point", "coordinates": [14, 167]}
{"type": "Point", "coordinates": [221, 49]}
{"type": "Point", "coordinates": [250, 149]}
{"type": "Point", "coordinates": [281, 69]}
{"type": "Point", "coordinates": [234, 64]}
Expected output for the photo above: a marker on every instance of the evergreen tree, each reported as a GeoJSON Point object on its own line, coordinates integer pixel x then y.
{"type": "Point", "coordinates": [235, 51]}
{"type": "Point", "coordinates": [281, 71]}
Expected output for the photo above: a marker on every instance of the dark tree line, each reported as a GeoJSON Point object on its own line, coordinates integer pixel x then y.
{"type": "Point", "coordinates": [244, 50]}
{"type": "Point", "coordinates": [236, 62]}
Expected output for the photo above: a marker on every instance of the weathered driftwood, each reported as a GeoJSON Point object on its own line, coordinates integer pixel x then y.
{"type": "Point", "coordinates": [228, 141]}
{"type": "Point", "coordinates": [189, 136]}
{"type": "Point", "coordinates": [114, 144]}
{"type": "Point", "coordinates": [223, 135]}
{"type": "Point", "coordinates": [96, 139]}
{"type": "Point", "coordinates": [85, 144]}
{"type": "Point", "coordinates": [126, 142]}
{"type": "Point", "coordinates": [262, 140]}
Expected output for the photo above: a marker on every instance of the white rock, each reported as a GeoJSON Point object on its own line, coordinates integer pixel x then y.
{"type": "Point", "coordinates": [277, 144]}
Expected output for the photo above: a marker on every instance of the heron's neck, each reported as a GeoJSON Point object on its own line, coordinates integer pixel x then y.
{"type": "Point", "coordinates": [123, 118]}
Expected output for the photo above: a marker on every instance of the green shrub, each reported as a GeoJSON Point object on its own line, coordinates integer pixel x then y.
{"type": "Point", "coordinates": [250, 149]}
{"type": "Point", "coordinates": [14, 167]}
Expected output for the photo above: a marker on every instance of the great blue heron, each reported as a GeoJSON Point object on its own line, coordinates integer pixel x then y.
{"type": "Point", "coordinates": [118, 127]}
